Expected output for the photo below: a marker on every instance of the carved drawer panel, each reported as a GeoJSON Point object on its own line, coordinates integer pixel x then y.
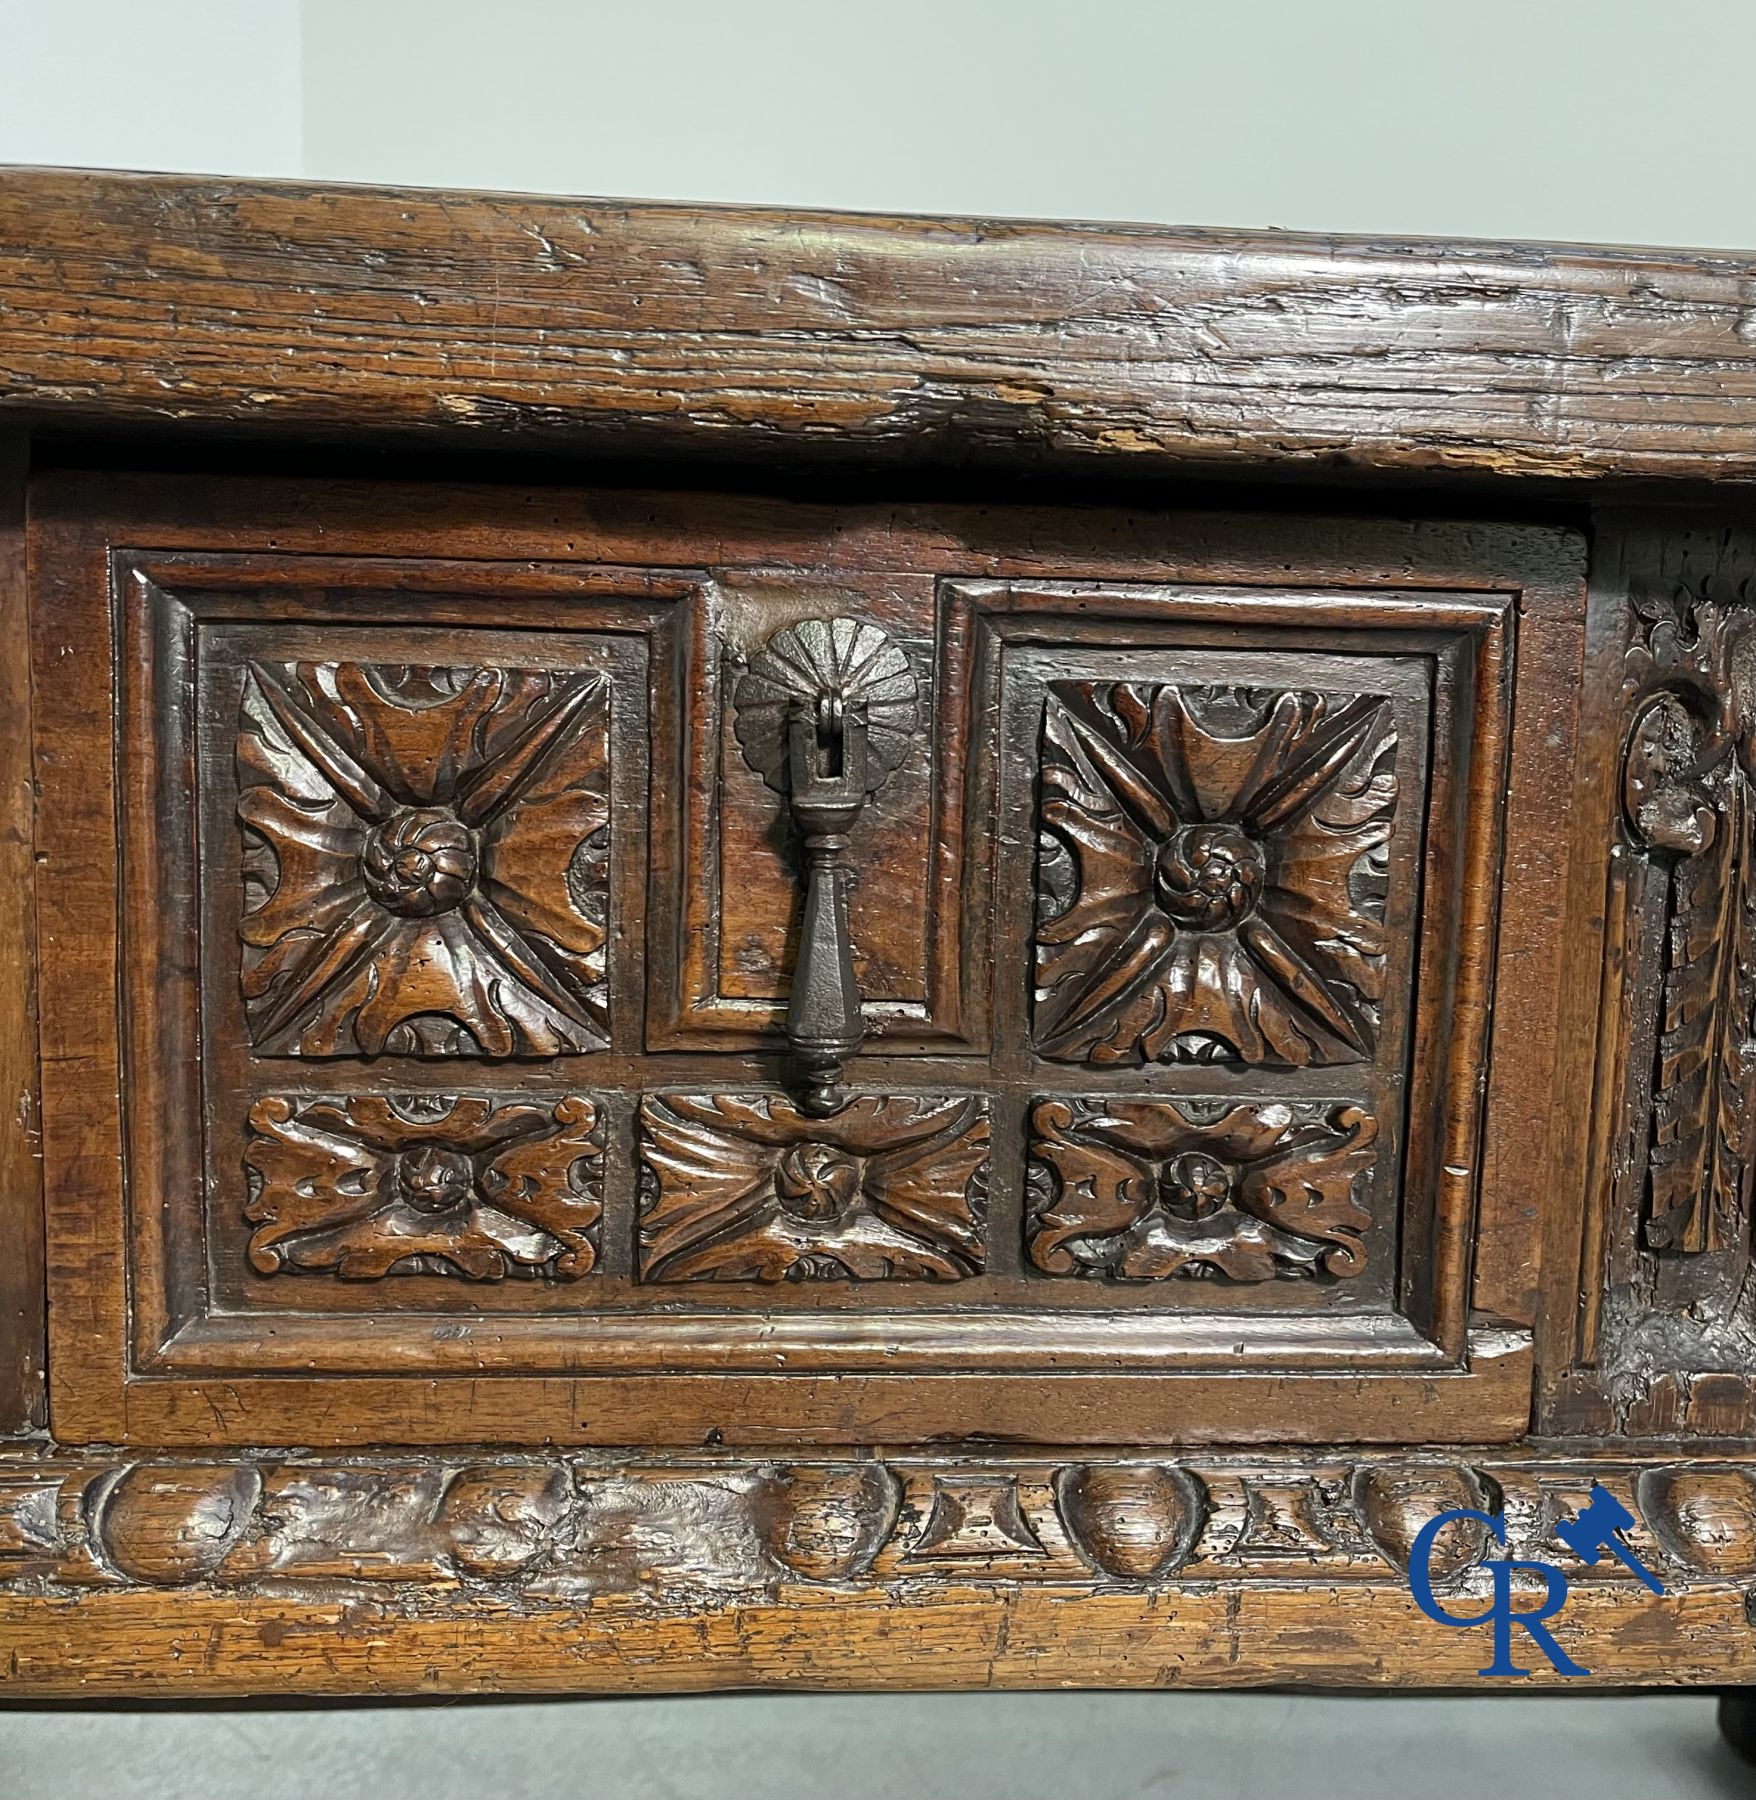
{"type": "Point", "coordinates": [1143, 1190]}
{"type": "Point", "coordinates": [1228, 873]}
{"type": "Point", "coordinates": [664, 969]}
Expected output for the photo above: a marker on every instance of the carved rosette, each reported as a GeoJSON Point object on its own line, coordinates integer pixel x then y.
{"type": "Point", "coordinates": [1212, 874]}
{"type": "Point", "coordinates": [747, 1187]}
{"type": "Point", "coordinates": [1145, 1189]}
{"type": "Point", "coordinates": [425, 860]}
{"type": "Point", "coordinates": [424, 1185]}
{"type": "Point", "coordinates": [1687, 796]}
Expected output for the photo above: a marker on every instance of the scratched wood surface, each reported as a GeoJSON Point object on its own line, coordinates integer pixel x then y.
{"type": "Point", "coordinates": [21, 1212]}
{"type": "Point", "coordinates": [151, 299]}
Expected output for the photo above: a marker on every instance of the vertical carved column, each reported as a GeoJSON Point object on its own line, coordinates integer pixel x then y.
{"type": "Point", "coordinates": [1687, 802]}
{"type": "Point", "coordinates": [1666, 1335]}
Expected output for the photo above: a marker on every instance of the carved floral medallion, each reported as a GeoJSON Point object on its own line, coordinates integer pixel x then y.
{"type": "Point", "coordinates": [746, 1187]}
{"type": "Point", "coordinates": [1212, 874]}
{"type": "Point", "coordinates": [424, 1185]}
{"type": "Point", "coordinates": [1144, 1189]}
{"type": "Point", "coordinates": [425, 860]}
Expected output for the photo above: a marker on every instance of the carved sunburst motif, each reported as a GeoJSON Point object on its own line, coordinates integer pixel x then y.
{"type": "Point", "coordinates": [747, 1187]}
{"type": "Point", "coordinates": [1212, 874]}
{"type": "Point", "coordinates": [426, 855]}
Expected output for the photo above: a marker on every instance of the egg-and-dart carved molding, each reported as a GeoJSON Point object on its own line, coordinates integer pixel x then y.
{"type": "Point", "coordinates": [587, 1526]}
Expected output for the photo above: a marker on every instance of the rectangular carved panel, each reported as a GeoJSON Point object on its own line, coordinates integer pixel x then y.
{"type": "Point", "coordinates": [426, 859]}
{"type": "Point", "coordinates": [400, 806]}
{"type": "Point", "coordinates": [422, 1184]}
{"type": "Point", "coordinates": [1687, 798]}
{"type": "Point", "coordinates": [1211, 874]}
{"type": "Point", "coordinates": [725, 934]}
{"type": "Point", "coordinates": [490, 1132]}
{"type": "Point", "coordinates": [1663, 1337]}
{"type": "Point", "coordinates": [1234, 844]}
{"type": "Point", "coordinates": [746, 1187]}
{"type": "Point", "coordinates": [1146, 1189]}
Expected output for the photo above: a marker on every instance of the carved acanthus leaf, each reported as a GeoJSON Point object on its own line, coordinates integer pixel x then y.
{"type": "Point", "coordinates": [1144, 1189]}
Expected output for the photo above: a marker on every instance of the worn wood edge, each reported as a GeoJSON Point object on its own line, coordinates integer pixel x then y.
{"type": "Point", "coordinates": [485, 1572]}
{"type": "Point", "coordinates": [136, 1646]}
{"type": "Point", "coordinates": [252, 516]}
{"type": "Point", "coordinates": [22, 1291]}
{"type": "Point", "coordinates": [1488, 1402]}
{"type": "Point", "coordinates": [141, 299]}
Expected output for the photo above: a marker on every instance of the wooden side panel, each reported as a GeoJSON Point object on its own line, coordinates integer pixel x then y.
{"type": "Point", "coordinates": [21, 1208]}
{"type": "Point", "coordinates": [1656, 1335]}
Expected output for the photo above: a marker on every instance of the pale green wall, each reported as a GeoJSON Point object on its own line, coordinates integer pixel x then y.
{"type": "Point", "coordinates": [1616, 121]}
{"type": "Point", "coordinates": [1609, 120]}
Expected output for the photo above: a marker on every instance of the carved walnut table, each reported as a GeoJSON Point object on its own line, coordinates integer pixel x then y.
{"type": "Point", "coordinates": [767, 949]}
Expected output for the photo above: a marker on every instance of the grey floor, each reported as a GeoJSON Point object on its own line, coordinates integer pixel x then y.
{"type": "Point", "coordinates": [872, 1747]}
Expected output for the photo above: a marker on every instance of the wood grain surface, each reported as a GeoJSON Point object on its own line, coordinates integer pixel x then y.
{"type": "Point", "coordinates": [130, 299]}
{"type": "Point", "coordinates": [21, 1196]}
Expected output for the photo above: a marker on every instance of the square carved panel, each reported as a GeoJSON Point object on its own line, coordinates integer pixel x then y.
{"type": "Point", "coordinates": [426, 856]}
{"type": "Point", "coordinates": [1211, 874]}
{"type": "Point", "coordinates": [1229, 843]}
{"type": "Point", "coordinates": [746, 1187]}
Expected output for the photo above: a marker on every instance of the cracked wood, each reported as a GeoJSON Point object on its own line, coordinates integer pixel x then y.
{"type": "Point", "coordinates": [131, 299]}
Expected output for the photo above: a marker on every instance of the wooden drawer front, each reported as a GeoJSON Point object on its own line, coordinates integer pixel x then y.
{"type": "Point", "coordinates": [418, 937]}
